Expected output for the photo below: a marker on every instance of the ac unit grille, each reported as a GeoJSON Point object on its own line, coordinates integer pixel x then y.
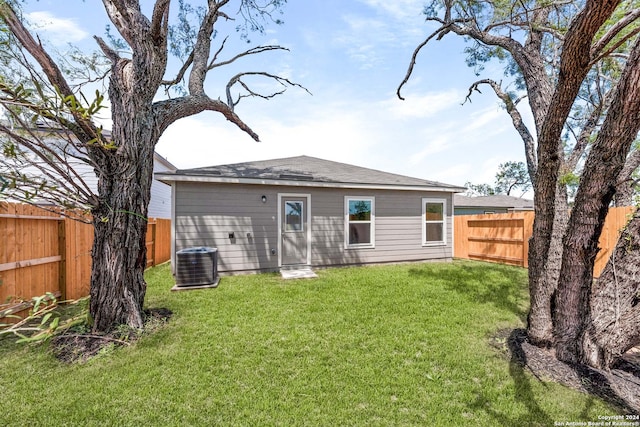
{"type": "Point", "coordinates": [196, 266]}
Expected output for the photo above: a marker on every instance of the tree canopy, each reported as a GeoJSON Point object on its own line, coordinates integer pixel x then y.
{"type": "Point", "coordinates": [511, 176]}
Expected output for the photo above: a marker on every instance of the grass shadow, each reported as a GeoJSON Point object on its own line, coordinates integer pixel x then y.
{"type": "Point", "coordinates": [524, 391]}
{"type": "Point", "coordinates": [481, 282]}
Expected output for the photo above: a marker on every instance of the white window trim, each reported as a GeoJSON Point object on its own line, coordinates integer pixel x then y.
{"type": "Point", "coordinates": [371, 199]}
{"type": "Point", "coordinates": [426, 200]}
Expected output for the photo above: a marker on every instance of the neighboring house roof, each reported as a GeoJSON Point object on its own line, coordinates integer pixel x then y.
{"type": "Point", "coordinates": [304, 171]}
{"type": "Point", "coordinates": [166, 163]}
{"type": "Point", "coordinates": [498, 201]}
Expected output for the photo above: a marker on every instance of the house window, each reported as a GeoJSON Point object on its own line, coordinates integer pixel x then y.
{"type": "Point", "coordinates": [293, 216]}
{"type": "Point", "coordinates": [359, 222]}
{"type": "Point", "coordinates": [434, 221]}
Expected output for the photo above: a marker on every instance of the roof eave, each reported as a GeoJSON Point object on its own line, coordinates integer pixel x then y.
{"type": "Point", "coordinates": [169, 178]}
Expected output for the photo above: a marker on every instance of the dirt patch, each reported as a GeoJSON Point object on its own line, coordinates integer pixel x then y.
{"type": "Point", "coordinates": [619, 386]}
{"type": "Point", "coordinates": [80, 347]}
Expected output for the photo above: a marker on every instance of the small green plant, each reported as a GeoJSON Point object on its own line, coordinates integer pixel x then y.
{"type": "Point", "coordinates": [43, 321]}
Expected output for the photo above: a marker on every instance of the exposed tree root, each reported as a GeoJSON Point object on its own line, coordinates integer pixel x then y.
{"type": "Point", "coordinates": [78, 348]}
{"type": "Point", "coordinates": [620, 386]}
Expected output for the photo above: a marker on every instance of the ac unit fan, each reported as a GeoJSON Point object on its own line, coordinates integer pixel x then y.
{"type": "Point", "coordinates": [196, 266]}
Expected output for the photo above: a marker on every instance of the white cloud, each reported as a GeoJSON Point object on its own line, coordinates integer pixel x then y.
{"type": "Point", "coordinates": [400, 10]}
{"type": "Point", "coordinates": [56, 30]}
{"type": "Point", "coordinates": [422, 106]}
{"type": "Point", "coordinates": [363, 38]}
{"type": "Point", "coordinates": [452, 173]}
{"type": "Point", "coordinates": [433, 146]}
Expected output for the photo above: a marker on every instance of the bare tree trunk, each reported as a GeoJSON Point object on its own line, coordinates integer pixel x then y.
{"type": "Point", "coordinates": [125, 174]}
{"type": "Point", "coordinates": [540, 320]}
{"type": "Point", "coordinates": [596, 191]}
{"type": "Point", "coordinates": [119, 258]}
{"type": "Point", "coordinates": [615, 303]}
{"type": "Point", "coordinates": [120, 224]}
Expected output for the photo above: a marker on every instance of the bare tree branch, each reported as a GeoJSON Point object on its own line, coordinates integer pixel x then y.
{"type": "Point", "coordinates": [597, 48]}
{"type": "Point", "coordinates": [202, 49]}
{"type": "Point", "coordinates": [159, 20]}
{"type": "Point", "coordinates": [516, 119]}
{"type": "Point", "coordinates": [252, 51]}
{"type": "Point", "coordinates": [237, 79]}
{"type": "Point", "coordinates": [168, 111]}
{"type": "Point", "coordinates": [414, 56]}
{"type": "Point", "coordinates": [54, 164]}
{"type": "Point", "coordinates": [180, 75]}
{"type": "Point", "coordinates": [109, 53]}
{"type": "Point", "coordinates": [119, 14]}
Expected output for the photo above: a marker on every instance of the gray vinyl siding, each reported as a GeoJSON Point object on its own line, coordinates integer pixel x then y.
{"type": "Point", "coordinates": [398, 228]}
{"type": "Point", "coordinates": [206, 213]}
{"type": "Point", "coordinates": [160, 202]}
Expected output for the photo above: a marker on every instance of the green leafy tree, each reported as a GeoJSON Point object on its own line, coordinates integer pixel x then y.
{"type": "Point", "coordinates": [479, 189]}
{"type": "Point", "coordinates": [510, 176]}
{"type": "Point", "coordinates": [139, 80]}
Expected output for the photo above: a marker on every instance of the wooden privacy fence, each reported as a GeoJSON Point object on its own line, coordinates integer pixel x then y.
{"type": "Point", "coordinates": [504, 238]}
{"type": "Point", "coordinates": [42, 252]}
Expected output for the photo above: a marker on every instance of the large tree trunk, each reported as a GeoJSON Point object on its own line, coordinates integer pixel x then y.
{"type": "Point", "coordinates": [119, 253]}
{"type": "Point", "coordinates": [572, 71]}
{"type": "Point", "coordinates": [544, 277]}
{"type": "Point", "coordinates": [120, 225]}
{"type": "Point", "coordinates": [596, 191]}
{"type": "Point", "coordinates": [125, 173]}
{"type": "Point", "coordinates": [614, 326]}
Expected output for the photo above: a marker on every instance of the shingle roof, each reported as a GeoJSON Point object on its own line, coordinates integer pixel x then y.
{"type": "Point", "coordinates": [496, 201]}
{"type": "Point", "coordinates": [307, 169]}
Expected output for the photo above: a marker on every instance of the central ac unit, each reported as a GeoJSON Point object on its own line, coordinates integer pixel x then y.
{"type": "Point", "coordinates": [197, 266]}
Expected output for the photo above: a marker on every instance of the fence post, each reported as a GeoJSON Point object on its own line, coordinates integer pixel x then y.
{"type": "Point", "coordinates": [62, 251]}
{"type": "Point", "coordinates": [527, 232]}
{"type": "Point", "coordinates": [153, 243]}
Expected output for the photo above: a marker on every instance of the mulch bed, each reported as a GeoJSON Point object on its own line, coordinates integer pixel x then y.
{"type": "Point", "coordinates": [619, 386]}
{"type": "Point", "coordinates": [78, 348]}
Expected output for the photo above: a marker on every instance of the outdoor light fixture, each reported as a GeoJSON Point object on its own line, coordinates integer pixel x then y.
{"type": "Point", "coordinates": [264, 199]}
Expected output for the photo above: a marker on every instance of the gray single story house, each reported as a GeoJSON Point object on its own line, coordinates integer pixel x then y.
{"type": "Point", "coordinates": [499, 203]}
{"type": "Point", "coordinates": [307, 212]}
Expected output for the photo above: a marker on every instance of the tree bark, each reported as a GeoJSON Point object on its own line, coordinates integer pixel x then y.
{"type": "Point", "coordinates": [546, 274]}
{"type": "Point", "coordinates": [626, 185]}
{"type": "Point", "coordinates": [615, 303]}
{"type": "Point", "coordinates": [119, 247]}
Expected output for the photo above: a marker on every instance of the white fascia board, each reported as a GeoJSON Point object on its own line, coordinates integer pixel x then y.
{"type": "Point", "coordinates": [290, 183]}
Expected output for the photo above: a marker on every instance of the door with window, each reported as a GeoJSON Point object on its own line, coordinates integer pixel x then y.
{"type": "Point", "coordinates": [294, 230]}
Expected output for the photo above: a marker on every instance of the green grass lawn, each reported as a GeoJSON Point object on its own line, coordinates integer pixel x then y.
{"type": "Point", "coordinates": [386, 345]}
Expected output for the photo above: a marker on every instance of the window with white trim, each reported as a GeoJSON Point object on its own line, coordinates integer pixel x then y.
{"type": "Point", "coordinates": [434, 221]}
{"type": "Point", "coordinates": [359, 222]}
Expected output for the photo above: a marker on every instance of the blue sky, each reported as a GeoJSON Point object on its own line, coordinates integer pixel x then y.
{"type": "Point", "coordinates": [351, 55]}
